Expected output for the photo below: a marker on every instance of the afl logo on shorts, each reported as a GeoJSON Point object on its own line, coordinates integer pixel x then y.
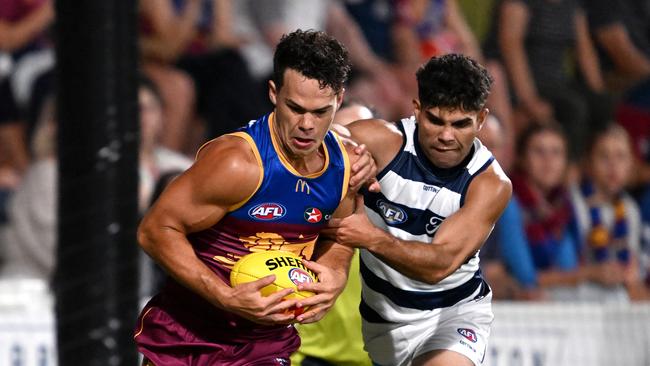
{"type": "Point", "coordinates": [267, 211]}
{"type": "Point", "coordinates": [392, 214]}
{"type": "Point", "coordinates": [468, 333]}
{"type": "Point", "coordinates": [313, 215]}
{"type": "Point", "coordinates": [299, 276]}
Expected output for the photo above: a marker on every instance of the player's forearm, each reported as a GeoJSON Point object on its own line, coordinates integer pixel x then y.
{"type": "Point", "coordinates": [337, 257]}
{"type": "Point", "coordinates": [417, 260]}
{"type": "Point", "coordinates": [170, 249]}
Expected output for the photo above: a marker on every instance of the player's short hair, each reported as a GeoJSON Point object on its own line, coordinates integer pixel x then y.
{"type": "Point", "coordinates": [315, 55]}
{"type": "Point", "coordinates": [453, 81]}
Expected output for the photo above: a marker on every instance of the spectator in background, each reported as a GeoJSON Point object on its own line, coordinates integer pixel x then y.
{"type": "Point", "coordinates": [532, 38]}
{"type": "Point", "coordinates": [375, 18]}
{"type": "Point", "coordinates": [158, 54]}
{"type": "Point", "coordinates": [23, 26]}
{"type": "Point", "coordinates": [545, 257]}
{"type": "Point", "coordinates": [621, 29]}
{"type": "Point", "coordinates": [609, 220]}
{"type": "Point", "coordinates": [30, 237]}
{"type": "Point", "coordinates": [262, 23]}
{"type": "Point", "coordinates": [195, 36]}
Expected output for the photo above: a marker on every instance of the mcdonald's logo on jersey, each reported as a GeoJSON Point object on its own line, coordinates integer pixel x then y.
{"type": "Point", "coordinates": [303, 186]}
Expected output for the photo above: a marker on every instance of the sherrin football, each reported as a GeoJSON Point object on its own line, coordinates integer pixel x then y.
{"type": "Point", "coordinates": [287, 267]}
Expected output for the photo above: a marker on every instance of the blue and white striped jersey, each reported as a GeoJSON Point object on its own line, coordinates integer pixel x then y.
{"type": "Point", "coordinates": [415, 198]}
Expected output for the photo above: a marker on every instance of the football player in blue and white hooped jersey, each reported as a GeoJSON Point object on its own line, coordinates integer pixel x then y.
{"type": "Point", "coordinates": [424, 300]}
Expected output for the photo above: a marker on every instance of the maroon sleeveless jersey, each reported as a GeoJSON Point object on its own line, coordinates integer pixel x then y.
{"type": "Point", "coordinates": [178, 327]}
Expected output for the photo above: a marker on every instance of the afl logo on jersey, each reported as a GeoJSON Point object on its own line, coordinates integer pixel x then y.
{"type": "Point", "coordinates": [313, 215]}
{"type": "Point", "coordinates": [468, 333]}
{"type": "Point", "coordinates": [392, 214]}
{"type": "Point", "coordinates": [267, 211]}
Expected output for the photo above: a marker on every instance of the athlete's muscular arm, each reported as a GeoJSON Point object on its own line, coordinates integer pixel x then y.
{"type": "Point", "coordinates": [224, 174]}
{"type": "Point", "coordinates": [458, 237]}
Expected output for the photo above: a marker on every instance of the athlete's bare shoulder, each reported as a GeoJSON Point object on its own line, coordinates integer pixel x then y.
{"type": "Point", "coordinates": [227, 167]}
{"type": "Point", "coordinates": [491, 189]}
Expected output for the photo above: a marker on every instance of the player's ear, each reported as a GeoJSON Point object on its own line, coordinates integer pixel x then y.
{"type": "Point", "coordinates": [482, 116]}
{"type": "Point", "coordinates": [416, 108]}
{"type": "Point", "coordinates": [273, 92]}
{"type": "Point", "coordinates": [339, 98]}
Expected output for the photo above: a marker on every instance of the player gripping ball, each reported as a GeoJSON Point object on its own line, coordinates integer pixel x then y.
{"type": "Point", "coordinates": [287, 267]}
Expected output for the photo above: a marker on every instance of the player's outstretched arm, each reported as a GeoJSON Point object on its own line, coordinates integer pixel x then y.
{"type": "Point", "coordinates": [457, 238]}
{"type": "Point", "coordinates": [225, 173]}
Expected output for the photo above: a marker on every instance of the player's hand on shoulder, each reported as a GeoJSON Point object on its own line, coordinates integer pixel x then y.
{"type": "Point", "coordinates": [247, 301]}
{"type": "Point", "coordinates": [329, 286]}
{"type": "Point", "coordinates": [363, 170]}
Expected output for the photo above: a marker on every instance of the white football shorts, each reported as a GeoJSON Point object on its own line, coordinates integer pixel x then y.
{"type": "Point", "coordinates": [463, 328]}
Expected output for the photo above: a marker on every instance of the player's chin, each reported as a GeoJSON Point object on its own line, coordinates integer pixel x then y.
{"type": "Point", "coordinates": [446, 160]}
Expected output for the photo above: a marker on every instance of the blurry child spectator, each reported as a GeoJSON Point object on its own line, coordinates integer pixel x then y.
{"type": "Point", "coordinates": [546, 256]}
{"type": "Point", "coordinates": [533, 38]}
{"type": "Point", "coordinates": [609, 220]}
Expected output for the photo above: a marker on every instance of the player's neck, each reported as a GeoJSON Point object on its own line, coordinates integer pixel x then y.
{"type": "Point", "coordinates": [304, 164]}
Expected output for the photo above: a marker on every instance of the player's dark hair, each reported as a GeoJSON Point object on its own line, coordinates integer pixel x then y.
{"type": "Point", "coordinates": [315, 55]}
{"type": "Point", "coordinates": [453, 81]}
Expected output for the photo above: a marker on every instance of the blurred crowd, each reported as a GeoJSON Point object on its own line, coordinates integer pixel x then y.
{"type": "Point", "coordinates": [570, 117]}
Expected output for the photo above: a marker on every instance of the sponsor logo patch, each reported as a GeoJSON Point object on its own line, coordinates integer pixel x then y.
{"type": "Point", "coordinates": [299, 276]}
{"type": "Point", "coordinates": [468, 333]}
{"type": "Point", "coordinates": [313, 215]}
{"type": "Point", "coordinates": [392, 214]}
{"type": "Point", "coordinates": [267, 211]}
